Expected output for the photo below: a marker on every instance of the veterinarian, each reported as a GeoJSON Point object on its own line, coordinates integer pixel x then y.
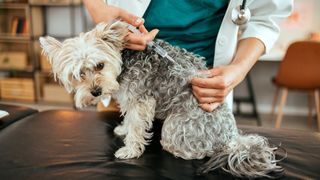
{"type": "Point", "coordinates": [207, 28]}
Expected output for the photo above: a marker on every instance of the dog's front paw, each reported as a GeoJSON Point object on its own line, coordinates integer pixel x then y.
{"type": "Point", "coordinates": [120, 130]}
{"type": "Point", "coordinates": [128, 153]}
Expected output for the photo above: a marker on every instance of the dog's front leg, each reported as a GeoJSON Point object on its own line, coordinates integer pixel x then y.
{"type": "Point", "coordinates": [138, 119]}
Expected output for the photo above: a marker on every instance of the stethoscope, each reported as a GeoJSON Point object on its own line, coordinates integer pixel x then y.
{"type": "Point", "coordinates": [241, 14]}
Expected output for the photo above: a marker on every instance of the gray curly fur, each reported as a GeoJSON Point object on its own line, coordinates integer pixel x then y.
{"type": "Point", "coordinates": [188, 131]}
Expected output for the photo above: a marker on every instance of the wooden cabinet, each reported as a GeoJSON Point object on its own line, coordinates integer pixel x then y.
{"type": "Point", "coordinates": [13, 60]}
{"type": "Point", "coordinates": [17, 89]}
{"type": "Point", "coordinates": [21, 26]}
{"type": "Point", "coordinates": [24, 72]}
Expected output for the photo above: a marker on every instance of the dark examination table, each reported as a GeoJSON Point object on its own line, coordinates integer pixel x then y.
{"type": "Point", "coordinates": [63, 144]}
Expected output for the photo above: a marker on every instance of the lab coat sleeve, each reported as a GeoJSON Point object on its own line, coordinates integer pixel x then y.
{"type": "Point", "coordinates": [265, 18]}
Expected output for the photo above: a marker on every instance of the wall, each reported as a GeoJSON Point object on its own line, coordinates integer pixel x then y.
{"type": "Point", "coordinates": [59, 20]}
{"type": "Point", "coordinates": [263, 71]}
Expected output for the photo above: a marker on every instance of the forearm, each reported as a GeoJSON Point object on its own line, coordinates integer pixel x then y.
{"type": "Point", "coordinates": [101, 12]}
{"type": "Point", "coordinates": [248, 52]}
{"type": "Point", "coordinates": [98, 10]}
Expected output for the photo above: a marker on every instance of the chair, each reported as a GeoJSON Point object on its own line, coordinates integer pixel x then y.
{"type": "Point", "coordinates": [299, 70]}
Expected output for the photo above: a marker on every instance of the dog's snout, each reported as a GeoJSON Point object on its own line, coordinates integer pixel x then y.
{"type": "Point", "coordinates": [96, 91]}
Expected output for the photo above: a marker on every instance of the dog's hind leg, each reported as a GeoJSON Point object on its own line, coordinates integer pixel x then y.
{"type": "Point", "coordinates": [139, 114]}
{"type": "Point", "coordinates": [182, 136]}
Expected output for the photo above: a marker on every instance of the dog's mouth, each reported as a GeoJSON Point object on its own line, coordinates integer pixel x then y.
{"type": "Point", "coordinates": [86, 97]}
{"type": "Point", "coordinates": [105, 98]}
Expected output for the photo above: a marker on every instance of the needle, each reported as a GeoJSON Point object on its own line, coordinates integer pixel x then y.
{"type": "Point", "coordinates": [151, 44]}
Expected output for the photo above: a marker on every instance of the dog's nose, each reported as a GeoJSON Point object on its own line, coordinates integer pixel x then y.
{"type": "Point", "coordinates": [97, 91]}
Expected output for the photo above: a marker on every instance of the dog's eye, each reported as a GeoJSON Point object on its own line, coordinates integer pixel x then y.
{"type": "Point", "coordinates": [99, 67]}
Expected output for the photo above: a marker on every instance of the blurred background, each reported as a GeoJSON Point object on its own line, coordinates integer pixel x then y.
{"type": "Point", "coordinates": [25, 77]}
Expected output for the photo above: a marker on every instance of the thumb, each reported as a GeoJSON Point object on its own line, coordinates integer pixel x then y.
{"type": "Point", "coordinates": [130, 18]}
{"type": "Point", "coordinates": [211, 72]}
{"type": "Point", "coordinates": [152, 34]}
{"type": "Point", "coordinates": [215, 71]}
{"type": "Point", "coordinates": [209, 107]}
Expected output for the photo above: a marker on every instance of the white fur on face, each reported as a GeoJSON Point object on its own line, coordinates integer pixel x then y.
{"type": "Point", "coordinates": [77, 62]}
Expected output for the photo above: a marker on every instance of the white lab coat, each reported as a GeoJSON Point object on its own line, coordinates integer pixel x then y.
{"type": "Point", "coordinates": [264, 25]}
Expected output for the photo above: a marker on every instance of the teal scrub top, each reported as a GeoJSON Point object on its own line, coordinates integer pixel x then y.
{"type": "Point", "coordinates": [189, 24]}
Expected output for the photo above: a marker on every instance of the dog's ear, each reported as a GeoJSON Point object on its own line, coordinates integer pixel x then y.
{"type": "Point", "coordinates": [113, 33]}
{"type": "Point", "coordinates": [50, 47]}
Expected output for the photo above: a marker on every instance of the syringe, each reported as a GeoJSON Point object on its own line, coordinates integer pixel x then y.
{"type": "Point", "coordinates": [151, 44]}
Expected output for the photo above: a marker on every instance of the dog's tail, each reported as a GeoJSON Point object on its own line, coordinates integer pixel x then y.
{"type": "Point", "coordinates": [247, 156]}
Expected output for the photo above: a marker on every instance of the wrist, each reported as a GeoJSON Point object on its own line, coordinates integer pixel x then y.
{"type": "Point", "coordinates": [242, 68]}
{"type": "Point", "coordinates": [237, 73]}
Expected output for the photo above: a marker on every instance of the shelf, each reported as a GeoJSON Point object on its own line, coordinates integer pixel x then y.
{"type": "Point", "coordinates": [55, 3]}
{"type": "Point", "coordinates": [18, 38]}
{"type": "Point", "coordinates": [34, 13]}
{"type": "Point", "coordinates": [12, 37]}
{"type": "Point", "coordinates": [45, 73]}
{"type": "Point", "coordinates": [27, 70]}
{"type": "Point", "coordinates": [14, 5]}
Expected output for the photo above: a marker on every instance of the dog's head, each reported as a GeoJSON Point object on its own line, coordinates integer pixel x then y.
{"type": "Point", "coordinates": [89, 64]}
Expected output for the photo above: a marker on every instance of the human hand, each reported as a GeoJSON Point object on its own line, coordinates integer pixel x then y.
{"type": "Point", "coordinates": [133, 41]}
{"type": "Point", "coordinates": [211, 91]}
{"type": "Point", "coordinates": [100, 12]}
{"type": "Point", "coordinates": [139, 41]}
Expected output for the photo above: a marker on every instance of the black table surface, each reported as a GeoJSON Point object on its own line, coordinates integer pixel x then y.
{"type": "Point", "coordinates": [15, 113]}
{"type": "Point", "coordinates": [63, 144]}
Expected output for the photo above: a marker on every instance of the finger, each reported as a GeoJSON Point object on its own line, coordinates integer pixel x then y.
{"type": "Point", "coordinates": [130, 18]}
{"type": "Point", "coordinates": [141, 39]}
{"type": "Point", "coordinates": [209, 107]}
{"type": "Point", "coordinates": [205, 74]}
{"type": "Point", "coordinates": [215, 82]}
{"type": "Point", "coordinates": [136, 47]}
{"type": "Point", "coordinates": [143, 29]}
{"type": "Point", "coordinates": [215, 71]}
{"type": "Point", "coordinates": [203, 100]}
{"type": "Point", "coordinates": [151, 35]}
{"type": "Point", "coordinates": [204, 92]}
{"type": "Point", "coordinates": [212, 72]}
{"type": "Point", "coordinates": [138, 39]}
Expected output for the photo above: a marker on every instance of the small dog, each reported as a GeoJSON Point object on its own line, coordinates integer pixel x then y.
{"type": "Point", "coordinates": [94, 65]}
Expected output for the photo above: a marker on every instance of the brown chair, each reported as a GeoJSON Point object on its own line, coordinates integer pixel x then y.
{"type": "Point", "coordinates": [299, 70]}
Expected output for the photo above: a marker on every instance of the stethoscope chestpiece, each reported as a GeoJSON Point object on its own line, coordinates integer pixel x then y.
{"type": "Point", "coordinates": [240, 16]}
